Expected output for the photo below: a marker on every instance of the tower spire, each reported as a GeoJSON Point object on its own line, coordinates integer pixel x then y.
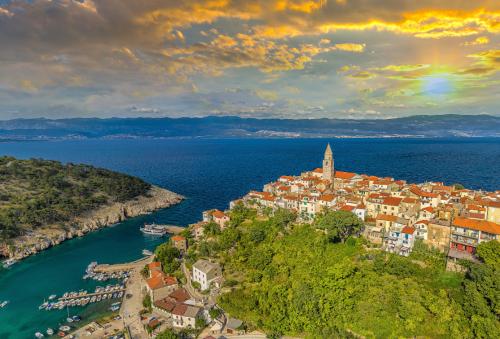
{"type": "Point", "coordinates": [328, 164]}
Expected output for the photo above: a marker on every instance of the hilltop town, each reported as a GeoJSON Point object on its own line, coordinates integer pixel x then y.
{"type": "Point", "coordinates": [395, 213]}
{"type": "Point", "coordinates": [201, 277]}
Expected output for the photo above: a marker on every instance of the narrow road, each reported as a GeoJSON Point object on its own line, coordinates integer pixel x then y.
{"type": "Point", "coordinates": [131, 307]}
{"type": "Point", "coordinates": [192, 291]}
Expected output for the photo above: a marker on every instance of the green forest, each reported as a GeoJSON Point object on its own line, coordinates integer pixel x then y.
{"type": "Point", "coordinates": [323, 281]}
{"type": "Point", "coordinates": [36, 192]}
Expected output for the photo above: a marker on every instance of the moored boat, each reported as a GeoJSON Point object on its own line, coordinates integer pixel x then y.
{"type": "Point", "coordinates": [153, 229]}
{"type": "Point", "coordinates": [50, 331]}
{"type": "Point", "coordinates": [39, 335]}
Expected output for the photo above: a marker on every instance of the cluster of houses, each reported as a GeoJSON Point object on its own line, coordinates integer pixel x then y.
{"type": "Point", "coordinates": [395, 212]}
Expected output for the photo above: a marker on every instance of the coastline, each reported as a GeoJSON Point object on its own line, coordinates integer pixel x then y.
{"type": "Point", "coordinates": [107, 215]}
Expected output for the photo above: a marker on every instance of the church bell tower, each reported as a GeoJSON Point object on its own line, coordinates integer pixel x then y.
{"type": "Point", "coordinates": [328, 165]}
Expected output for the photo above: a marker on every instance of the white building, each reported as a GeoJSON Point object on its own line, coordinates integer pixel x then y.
{"type": "Point", "coordinates": [206, 272]}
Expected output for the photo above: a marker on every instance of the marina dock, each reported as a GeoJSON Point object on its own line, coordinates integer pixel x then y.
{"type": "Point", "coordinates": [96, 294]}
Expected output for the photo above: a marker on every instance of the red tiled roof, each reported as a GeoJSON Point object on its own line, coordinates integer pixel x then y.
{"type": "Point", "coordinates": [327, 197]}
{"type": "Point", "coordinates": [218, 214]}
{"type": "Point", "coordinates": [480, 225]}
{"type": "Point", "coordinates": [180, 295]}
{"type": "Point", "coordinates": [318, 170]}
{"type": "Point", "coordinates": [392, 201]}
{"type": "Point", "coordinates": [154, 264]}
{"type": "Point", "coordinates": [166, 303]}
{"type": "Point", "coordinates": [426, 222]}
{"type": "Point", "coordinates": [408, 230]}
{"type": "Point", "coordinates": [347, 208]}
{"type": "Point", "coordinates": [178, 238]}
{"type": "Point", "coordinates": [344, 175]}
{"type": "Point", "coordinates": [155, 282]}
{"type": "Point", "coordinates": [429, 209]}
{"type": "Point", "coordinates": [179, 309]}
{"type": "Point", "coordinates": [417, 191]}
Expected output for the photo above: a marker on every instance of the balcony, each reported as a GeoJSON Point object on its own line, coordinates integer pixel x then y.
{"type": "Point", "coordinates": [464, 240]}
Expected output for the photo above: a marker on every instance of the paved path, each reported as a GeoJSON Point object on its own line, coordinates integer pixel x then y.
{"type": "Point", "coordinates": [131, 307]}
{"type": "Point", "coordinates": [192, 291]}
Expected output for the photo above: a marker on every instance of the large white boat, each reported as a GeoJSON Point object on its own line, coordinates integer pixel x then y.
{"type": "Point", "coordinates": [153, 229]}
{"type": "Point", "coordinates": [4, 303]}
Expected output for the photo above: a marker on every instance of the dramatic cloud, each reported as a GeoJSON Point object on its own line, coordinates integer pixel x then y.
{"type": "Point", "coordinates": [101, 57]}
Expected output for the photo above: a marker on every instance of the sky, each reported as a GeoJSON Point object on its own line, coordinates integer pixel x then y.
{"type": "Point", "coordinates": [255, 58]}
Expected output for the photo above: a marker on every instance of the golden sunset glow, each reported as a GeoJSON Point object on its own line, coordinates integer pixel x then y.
{"type": "Point", "coordinates": [202, 57]}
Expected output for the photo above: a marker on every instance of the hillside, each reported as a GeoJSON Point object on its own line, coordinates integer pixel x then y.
{"type": "Point", "coordinates": [36, 195]}
{"type": "Point", "coordinates": [292, 279]}
{"type": "Point", "coordinates": [230, 127]}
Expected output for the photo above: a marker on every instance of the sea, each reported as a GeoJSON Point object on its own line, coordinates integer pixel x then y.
{"type": "Point", "coordinates": [209, 173]}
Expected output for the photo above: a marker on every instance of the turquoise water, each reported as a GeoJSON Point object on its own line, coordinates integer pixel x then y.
{"type": "Point", "coordinates": [209, 173]}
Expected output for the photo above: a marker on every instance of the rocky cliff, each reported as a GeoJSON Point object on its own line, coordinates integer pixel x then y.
{"type": "Point", "coordinates": [51, 235]}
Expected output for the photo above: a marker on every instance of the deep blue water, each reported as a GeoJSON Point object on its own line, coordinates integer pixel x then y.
{"type": "Point", "coordinates": [210, 173]}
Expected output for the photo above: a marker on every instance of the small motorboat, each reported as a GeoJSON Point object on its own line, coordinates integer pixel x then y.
{"type": "Point", "coordinates": [50, 331]}
{"type": "Point", "coordinates": [39, 335]}
{"type": "Point", "coordinates": [69, 319]}
{"type": "Point", "coordinates": [44, 305]}
{"type": "Point", "coordinates": [76, 318]}
{"type": "Point", "coordinates": [61, 334]}
{"type": "Point", "coordinates": [4, 303]}
{"type": "Point", "coordinates": [52, 297]}
{"type": "Point", "coordinates": [64, 328]}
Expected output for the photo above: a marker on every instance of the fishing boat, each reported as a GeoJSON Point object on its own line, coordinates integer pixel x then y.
{"type": "Point", "coordinates": [39, 335]}
{"type": "Point", "coordinates": [147, 252]}
{"type": "Point", "coordinates": [4, 303]}
{"type": "Point", "coordinates": [153, 229]}
{"type": "Point", "coordinates": [8, 263]}
{"type": "Point", "coordinates": [50, 331]}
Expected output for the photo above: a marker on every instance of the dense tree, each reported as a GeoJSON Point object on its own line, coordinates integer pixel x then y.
{"type": "Point", "coordinates": [38, 192]}
{"type": "Point", "coordinates": [295, 281]}
{"type": "Point", "coordinates": [339, 225]}
{"type": "Point", "coordinates": [168, 256]}
{"type": "Point", "coordinates": [489, 252]}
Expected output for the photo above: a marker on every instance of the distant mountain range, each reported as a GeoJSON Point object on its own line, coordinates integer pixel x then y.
{"type": "Point", "coordinates": [229, 127]}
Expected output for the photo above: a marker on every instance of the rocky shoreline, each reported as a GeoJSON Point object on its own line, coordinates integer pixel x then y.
{"type": "Point", "coordinates": [52, 235]}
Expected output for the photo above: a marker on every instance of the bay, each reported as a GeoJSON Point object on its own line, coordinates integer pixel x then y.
{"type": "Point", "coordinates": [209, 173]}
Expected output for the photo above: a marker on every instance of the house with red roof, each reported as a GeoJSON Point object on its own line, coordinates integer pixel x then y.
{"type": "Point", "coordinates": [467, 234]}
{"type": "Point", "coordinates": [159, 285]}
{"type": "Point", "coordinates": [401, 240]}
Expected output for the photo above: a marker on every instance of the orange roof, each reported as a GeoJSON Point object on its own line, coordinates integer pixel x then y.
{"type": "Point", "coordinates": [347, 208]}
{"type": "Point", "coordinates": [180, 295]}
{"type": "Point", "coordinates": [416, 190]}
{"type": "Point", "coordinates": [169, 280]}
{"type": "Point", "coordinates": [409, 200]}
{"type": "Point", "coordinates": [179, 309]}
{"type": "Point", "coordinates": [392, 201]}
{"type": "Point", "coordinates": [218, 214]}
{"type": "Point", "coordinates": [344, 175]}
{"type": "Point", "coordinates": [178, 238]}
{"type": "Point", "coordinates": [154, 264]}
{"type": "Point", "coordinates": [479, 225]}
{"type": "Point", "coordinates": [408, 230]}
{"type": "Point", "coordinates": [286, 177]}
{"type": "Point", "coordinates": [327, 197]}
{"type": "Point", "coordinates": [429, 209]}
{"type": "Point", "coordinates": [318, 170]}
{"type": "Point", "coordinates": [284, 188]}
{"type": "Point", "coordinates": [385, 217]}
{"type": "Point", "coordinates": [155, 282]}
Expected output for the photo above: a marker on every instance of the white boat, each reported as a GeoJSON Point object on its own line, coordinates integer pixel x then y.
{"type": "Point", "coordinates": [64, 328]}
{"type": "Point", "coordinates": [147, 252]}
{"type": "Point", "coordinates": [44, 305]}
{"type": "Point", "coordinates": [8, 263]}
{"type": "Point", "coordinates": [153, 229]}
{"type": "Point", "coordinates": [52, 297]}
{"type": "Point", "coordinates": [39, 335]}
{"type": "Point", "coordinates": [4, 303]}
{"type": "Point", "coordinates": [50, 331]}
